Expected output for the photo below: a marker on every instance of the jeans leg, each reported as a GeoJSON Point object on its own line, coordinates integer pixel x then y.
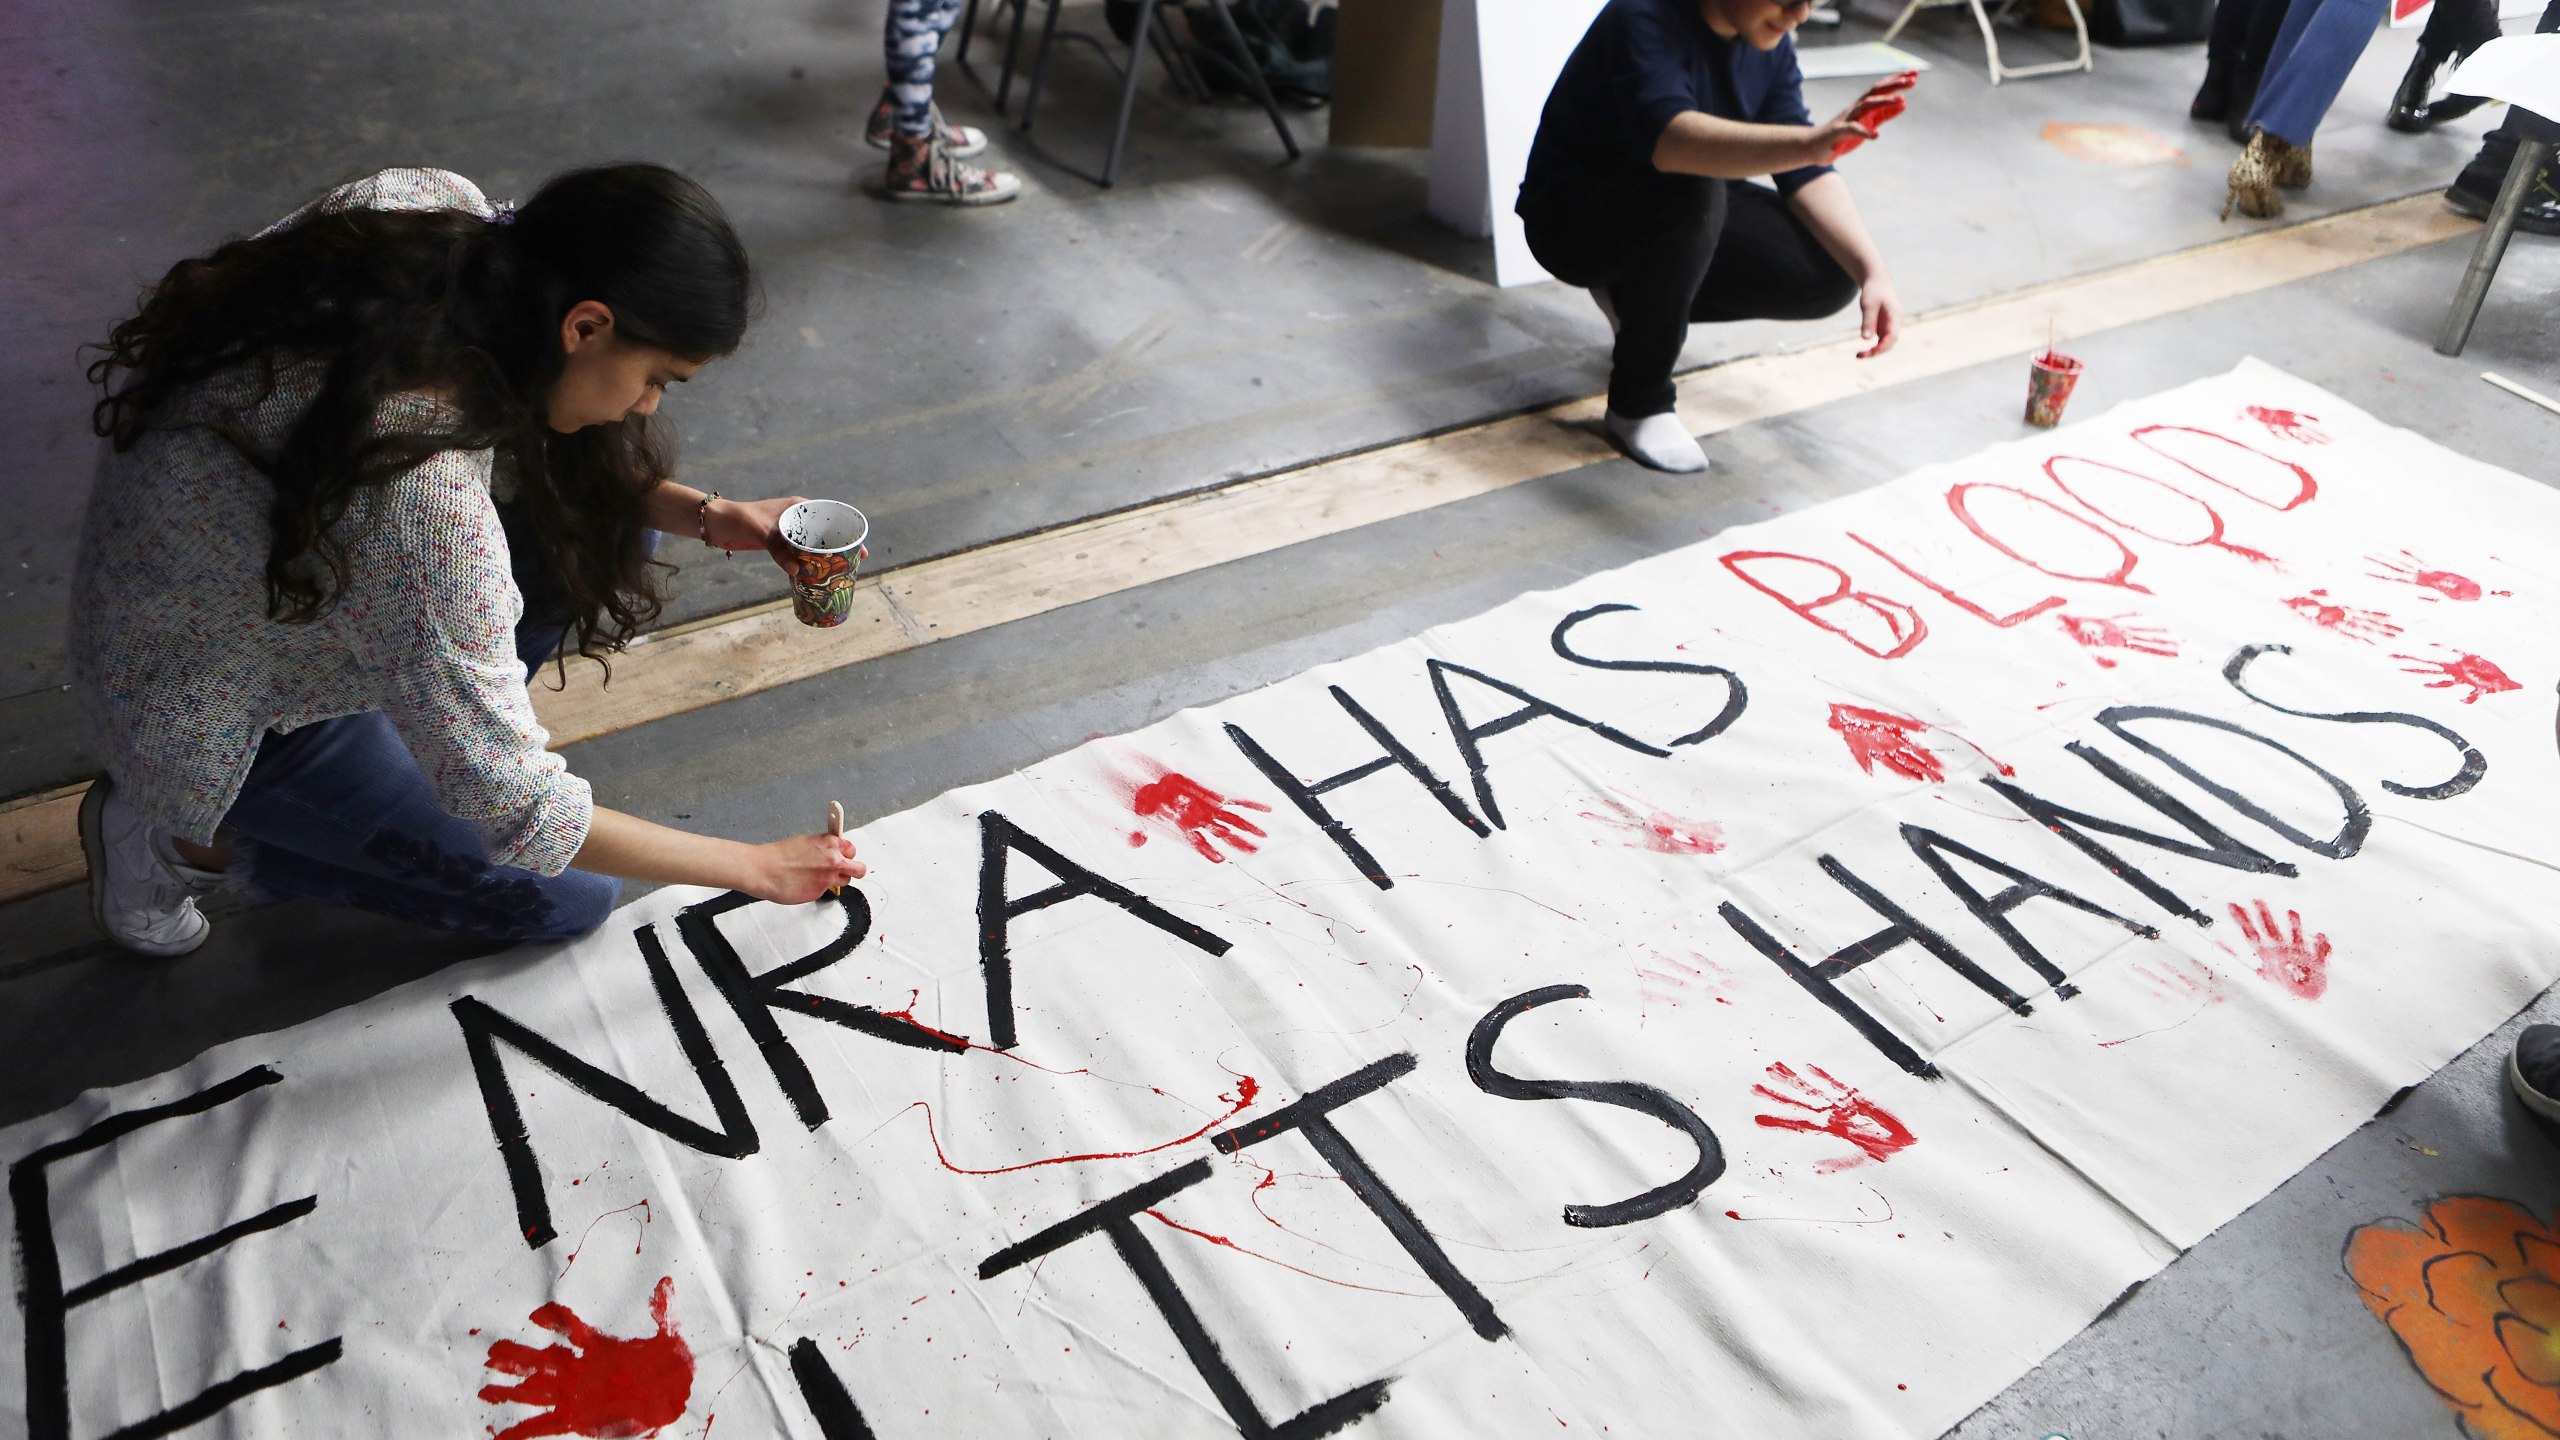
{"type": "Point", "coordinates": [1768, 266]}
{"type": "Point", "coordinates": [339, 812]}
{"type": "Point", "coordinates": [1646, 245]}
{"type": "Point", "coordinates": [2320, 43]}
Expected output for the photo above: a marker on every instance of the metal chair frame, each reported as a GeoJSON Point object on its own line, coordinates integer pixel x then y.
{"type": "Point", "coordinates": [2531, 157]}
{"type": "Point", "coordinates": [2001, 69]}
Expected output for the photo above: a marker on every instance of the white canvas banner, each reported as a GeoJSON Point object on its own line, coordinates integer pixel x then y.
{"type": "Point", "coordinates": [1784, 987]}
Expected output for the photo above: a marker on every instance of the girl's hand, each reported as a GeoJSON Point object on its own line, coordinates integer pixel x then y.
{"type": "Point", "coordinates": [1879, 316]}
{"type": "Point", "coordinates": [1838, 136]}
{"type": "Point", "coordinates": [749, 525]}
{"type": "Point", "coordinates": [802, 868]}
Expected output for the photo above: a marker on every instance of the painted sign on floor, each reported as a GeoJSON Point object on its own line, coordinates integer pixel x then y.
{"type": "Point", "coordinates": [1782, 988]}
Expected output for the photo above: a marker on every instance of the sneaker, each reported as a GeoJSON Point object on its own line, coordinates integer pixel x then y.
{"type": "Point", "coordinates": [963, 141]}
{"type": "Point", "coordinates": [924, 170]}
{"type": "Point", "coordinates": [2533, 1069]}
{"type": "Point", "coordinates": [2540, 215]}
{"type": "Point", "coordinates": [140, 896]}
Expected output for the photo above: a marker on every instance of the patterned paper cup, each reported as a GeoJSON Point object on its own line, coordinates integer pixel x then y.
{"type": "Point", "coordinates": [2049, 382]}
{"type": "Point", "coordinates": [826, 538]}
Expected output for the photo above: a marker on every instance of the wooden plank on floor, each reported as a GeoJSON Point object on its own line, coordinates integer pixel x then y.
{"type": "Point", "coordinates": [725, 657]}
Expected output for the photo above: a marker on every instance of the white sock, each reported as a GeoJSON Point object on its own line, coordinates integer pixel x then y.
{"type": "Point", "coordinates": [1600, 298]}
{"type": "Point", "coordinates": [1658, 441]}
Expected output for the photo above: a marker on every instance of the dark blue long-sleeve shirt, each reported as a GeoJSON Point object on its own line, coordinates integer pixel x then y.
{"type": "Point", "coordinates": [1641, 63]}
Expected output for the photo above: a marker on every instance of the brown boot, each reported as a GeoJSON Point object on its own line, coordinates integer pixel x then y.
{"type": "Point", "coordinates": [2253, 180]}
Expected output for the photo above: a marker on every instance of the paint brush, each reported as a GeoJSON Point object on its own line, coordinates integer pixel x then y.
{"type": "Point", "coordinates": [835, 826]}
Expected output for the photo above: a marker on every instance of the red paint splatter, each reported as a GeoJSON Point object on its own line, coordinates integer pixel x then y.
{"type": "Point", "coordinates": [2117, 632]}
{"type": "Point", "coordinates": [1874, 735]}
{"type": "Point", "coordinates": [1200, 814]}
{"type": "Point", "coordinates": [2285, 958]}
{"type": "Point", "coordinates": [2289, 424]}
{"type": "Point", "coordinates": [2482, 675]}
{"type": "Point", "coordinates": [2363, 625]}
{"type": "Point", "coordinates": [1660, 831]}
{"type": "Point", "coordinates": [1247, 1088]}
{"type": "Point", "coordinates": [597, 1384]}
{"type": "Point", "coordinates": [1832, 1108]}
{"type": "Point", "coordinates": [641, 1205]}
{"type": "Point", "coordinates": [2410, 570]}
{"type": "Point", "coordinates": [1222, 1241]}
{"type": "Point", "coordinates": [908, 1016]}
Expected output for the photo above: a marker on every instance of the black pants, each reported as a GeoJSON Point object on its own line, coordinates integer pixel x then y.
{"type": "Point", "coordinates": [2458, 27]}
{"type": "Point", "coordinates": [2244, 32]}
{"type": "Point", "coordinates": [1671, 249]}
{"type": "Point", "coordinates": [2488, 169]}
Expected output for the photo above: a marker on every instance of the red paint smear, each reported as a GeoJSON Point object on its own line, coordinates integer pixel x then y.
{"type": "Point", "coordinates": [2300, 967]}
{"type": "Point", "coordinates": [1874, 735]}
{"type": "Point", "coordinates": [2289, 424]}
{"type": "Point", "coordinates": [2410, 570]}
{"type": "Point", "coordinates": [1247, 1088]}
{"type": "Point", "coordinates": [2347, 620]}
{"type": "Point", "coordinates": [2118, 632]}
{"type": "Point", "coordinates": [1199, 813]}
{"type": "Point", "coordinates": [1220, 1240]}
{"type": "Point", "coordinates": [596, 1385]}
{"type": "Point", "coordinates": [1837, 1110]}
{"type": "Point", "coordinates": [2482, 675]}
{"type": "Point", "coordinates": [1660, 831]}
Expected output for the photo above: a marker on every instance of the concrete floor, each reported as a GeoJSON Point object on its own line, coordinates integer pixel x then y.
{"type": "Point", "coordinates": [1365, 325]}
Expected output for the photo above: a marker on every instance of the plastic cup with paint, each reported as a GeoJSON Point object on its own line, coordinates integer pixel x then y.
{"type": "Point", "coordinates": [2049, 380]}
{"type": "Point", "coordinates": [825, 539]}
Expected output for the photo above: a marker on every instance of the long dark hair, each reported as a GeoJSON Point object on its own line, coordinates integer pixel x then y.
{"type": "Point", "coordinates": [403, 301]}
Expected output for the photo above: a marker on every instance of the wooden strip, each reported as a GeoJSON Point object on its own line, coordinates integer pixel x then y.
{"type": "Point", "coordinates": [744, 652]}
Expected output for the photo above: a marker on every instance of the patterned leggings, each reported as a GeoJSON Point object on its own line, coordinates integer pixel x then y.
{"type": "Point", "coordinates": [916, 28]}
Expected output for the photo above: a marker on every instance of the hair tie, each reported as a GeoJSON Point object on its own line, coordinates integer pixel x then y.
{"type": "Point", "coordinates": [504, 213]}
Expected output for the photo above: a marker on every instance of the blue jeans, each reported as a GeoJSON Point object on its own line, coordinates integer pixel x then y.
{"type": "Point", "coordinates": [339, 812]}
{"type": "Point", "coordinates": [2320, 42]}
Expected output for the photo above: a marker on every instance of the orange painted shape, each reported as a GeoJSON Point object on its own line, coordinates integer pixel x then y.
{"type": "Point", "coordinates": [2472, 1293]}
{"type": "Point", "coordinates": [2127, 145]}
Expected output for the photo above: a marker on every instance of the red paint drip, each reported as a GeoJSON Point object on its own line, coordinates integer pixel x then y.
{"type": "Point", "coordinates": [2286, 960]}
{"type": "Point", "coordinates": [1881, 735]}
{"type": "Point", "coordinates": [1833, 1108]}
{"type": "Point", "coordinates": [2289, 424]}
{"type": "Point", "coordinates": [2364, 625]}
{"type": "Point", "coordinates": [1200, 814]}
{"type": "Point", "coordinates": [597, 1384]}
{"type": "Point", "coordinates": [1660, 831]}
{"type": "Point", "coordinates": [2118, 632]}
{"type": "Point", "coordinates": [2481, 675]}
{"type": "Point", "coordinates": [641, 1205]}
{"type": "Point", "coordinates": [1247, 1088]}
{"type": "Point", "coordinates": [1222, 1241]}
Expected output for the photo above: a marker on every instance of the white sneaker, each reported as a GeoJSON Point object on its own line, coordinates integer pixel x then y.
{"type": "Point", "coordinates": [140, 897]}
{"type": "Point", "coordinates": [1658, 442]}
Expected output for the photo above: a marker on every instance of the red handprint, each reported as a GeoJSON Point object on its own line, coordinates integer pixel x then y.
{"type": "Point", "coordinates": [2284, 957]}
{"type": "Point", "coordinates": [2481, 674]}
{"type": "Point", "coordinates": [2410, 570]}
{"type": "Point", "coordinates": [2118, 632]}
{"type": "Point", "coordinates": [2177, 978]}
{"type": "Point", "coordinates": [1836, 1110]}
{"type": "Point", "coordinates": [1874, 735]}
{"type": "Point", "coordinates": [1199, 813]}
{"type": "Point", "coordinates": [1883, 101]}
{"type": "Point", "coordinates": [2355, 624]}
{"type": "Point", "coordinates": [1660, 831]}
{"type": "Point", "coordinates": [2288, 424]}
{"type": "Point", "coordinates": [597, 1384]}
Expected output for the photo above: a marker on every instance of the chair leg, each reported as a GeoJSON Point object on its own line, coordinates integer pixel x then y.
{"type": "Point", "coordinates": [1040, 63]}
{"type": "Point", "coordinates": [2531, 157]}
{"type": "Point", "coordinates": [1902, 19]}
{"type": "Point", "coordinates": [1128, 90]}
{"type": "Point", "coordinates": [1990, 41]}
{"type": "Point", "coordinates": [1012, 49]}
{"type": "Point", "coordinates": [1253, 73]}
{"type": "Point", "coordinates": [968, 27]}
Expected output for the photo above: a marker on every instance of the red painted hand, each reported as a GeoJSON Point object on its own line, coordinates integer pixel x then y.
{"type": "Point", "coordinates": [2347, 620]}
{"type": "Point", "coordinates": [2285, 958]}
{"type": "Point", "coordinates": [1874, 735]}
{"type": "Point", "coordinates": [1200, 813]}
{"type": "Point", "coordinates": [1832, 1108]}
{"type": "Point", "coordinates": [2482, 675]}
{"type": "Point", "coordinates": [2301, 429]}
{"type": "Point", "coordinates": [2409, 570]}
{"type": "Point", "coordinates": [2118, 632]}
{"type": "Point", "coordinates": [597, 1384]}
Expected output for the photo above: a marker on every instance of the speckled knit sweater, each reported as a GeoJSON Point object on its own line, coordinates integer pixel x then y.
{"type": "Point", "coordinates": [183, 672]}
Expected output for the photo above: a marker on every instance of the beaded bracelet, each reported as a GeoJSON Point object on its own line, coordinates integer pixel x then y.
{"type": "Point", "coordinates": [702, 519]}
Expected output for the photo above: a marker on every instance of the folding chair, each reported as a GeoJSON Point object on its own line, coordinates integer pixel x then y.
{"type": "Point", "coordinates": [1146, 35]}
{"type": "Point", "coordinates": [2001, 69]}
